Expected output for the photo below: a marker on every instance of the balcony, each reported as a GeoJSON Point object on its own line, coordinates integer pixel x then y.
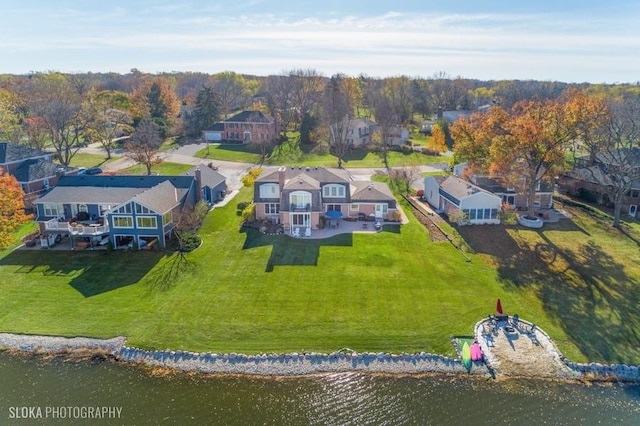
{"type": "Point", "coordinates": [76, 228]}
{"type": "Point", "coordinates": [300, 207]}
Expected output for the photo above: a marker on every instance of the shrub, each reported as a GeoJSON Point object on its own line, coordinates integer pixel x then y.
{"type": "Point", "coordinates": [248, 214]}
{"type": "Point", "coordinates": [459, 217]}
{"type": "Point", "coordinates": [586, 195]}
{"type": "Point", "coordinates": [250, 178]}
{"type": "Point", "coordinates": [420, 193]}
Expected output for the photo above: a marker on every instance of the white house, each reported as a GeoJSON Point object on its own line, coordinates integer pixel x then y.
{"type": "Point", "coordinates": [452, 194]}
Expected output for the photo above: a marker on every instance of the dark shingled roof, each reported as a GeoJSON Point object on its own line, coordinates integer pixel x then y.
{"type": "Point", "coordinates": [105, 181]}
{"type": "Point", "coordinates": [11, 152]}
{"type": "Point", "coordinates": [32, 170]}
{"type": "Point", "coordinates": [249, 117]}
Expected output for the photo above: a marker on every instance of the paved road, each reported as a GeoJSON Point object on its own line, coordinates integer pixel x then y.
{"type": "Point", "coordinates": [235, 171]}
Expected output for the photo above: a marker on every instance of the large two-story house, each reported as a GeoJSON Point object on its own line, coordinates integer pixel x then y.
{"type": "Point", "coordinates": [245, 127]}
{"type": "Point", "coordinates": [297, 197]}
{"type": "Point", "coordinates": [594, 178]}
{"type": "Point", "coordinates": [33, 169]}
{"type": "Point", "coordinates": [124, 211]}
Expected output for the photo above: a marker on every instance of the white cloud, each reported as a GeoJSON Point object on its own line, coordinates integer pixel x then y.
{"type": "Point", "coordinates": [544, 46]}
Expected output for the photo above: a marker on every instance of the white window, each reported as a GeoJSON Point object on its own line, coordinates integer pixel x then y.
{"type": "Point", "coordinates": [146, 222]}
{"type": "Point", "coordinates": [272, 208]}
{"type": "Point", "coordinates": [142, 209]}
{"type": "Point", "coordinates": [124, 209]}
{"type": "Point", "coordinates": [166, 218]}
{"type": "Point", "coordinates": [300, 200]}
{"type": "Point", "coordinates": [269, 190]}
{"type": "Point", "coordinates": [333, 190]}
{"type": "Point", "coordinates": [53, 209]}
{"type": "Point", "coordinates": [122, 222]}
{"type": "Point", "coordinates": [83, 208]}
{"type": "Point", "coordinates": [354, 207]}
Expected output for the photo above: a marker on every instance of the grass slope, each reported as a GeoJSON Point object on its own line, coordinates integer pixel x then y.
{"type": "Point", "coordinates": [246, 292]}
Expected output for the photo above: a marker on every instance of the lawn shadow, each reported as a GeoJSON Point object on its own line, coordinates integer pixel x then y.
{"type": "Point", "coordinates": [586, 290]}
{"type": "Point", "coordinates": [174, 267]}
{"type": "Point", "coordinates": [90, 272]}
{"type": "Point", "coordinates": [289, 251]}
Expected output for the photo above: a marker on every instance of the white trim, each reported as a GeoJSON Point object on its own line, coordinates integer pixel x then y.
{"type": "Point", "coordinates": [113, 220]}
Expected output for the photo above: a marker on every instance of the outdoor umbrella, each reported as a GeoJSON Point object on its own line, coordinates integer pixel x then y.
{"type": "Point", "coordinates": [333, 214]}
{"type": "Point", "coordinates": [499, 307]}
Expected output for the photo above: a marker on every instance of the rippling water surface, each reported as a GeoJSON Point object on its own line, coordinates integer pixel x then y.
{"type": "Point", "coordinates": [335, 399]}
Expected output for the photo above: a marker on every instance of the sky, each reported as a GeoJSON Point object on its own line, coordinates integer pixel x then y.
{"type": "Point", "coordinates": [560, 40]}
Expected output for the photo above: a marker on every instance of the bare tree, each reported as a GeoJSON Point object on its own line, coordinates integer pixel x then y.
{"type": "Point", "coordinates": [387, 120]}
{"type": "Point", "coordinates": [57, 103]}
{"type": "Point", "coordinates": [107, 120]}
{"type": "Point", "coordinates": [337, 112]}
{"type": "Point", "coordinates": [144, 144]}
{"type": "Point", "coordinates": [279, 95]}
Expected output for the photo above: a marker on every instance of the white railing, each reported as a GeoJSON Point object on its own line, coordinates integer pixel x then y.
{"type": "Point", "coordinates": [78, 229]}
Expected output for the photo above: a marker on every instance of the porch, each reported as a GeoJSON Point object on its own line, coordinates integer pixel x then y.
{"type": "Point", "coordinates": [84, 228]}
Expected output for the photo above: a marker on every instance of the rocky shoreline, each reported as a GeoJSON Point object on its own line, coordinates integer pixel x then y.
{"type": "Point", "coordinates": [290, 364]}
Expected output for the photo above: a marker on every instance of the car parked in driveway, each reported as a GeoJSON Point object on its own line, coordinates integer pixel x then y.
{"type": "Point", "coordinates": [93, 171]}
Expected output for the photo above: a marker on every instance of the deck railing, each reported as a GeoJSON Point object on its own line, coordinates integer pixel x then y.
{"type": "Point", "coordinates": [77, 229]}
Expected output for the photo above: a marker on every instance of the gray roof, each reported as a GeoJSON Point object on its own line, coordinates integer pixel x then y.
{"type": "Point", "coordinates": [32, 170]}
{"type": "Point", "coordinates": [320, 174]}
{"type": "Point", "coordinates": [371, 191]}
{"type": "Point", "coordinates": [460, 188]}
{"type": "Point", "coordinates": [161, 198]}
{"type": "Point", "coordinates": [11, 152]}
{"type": "Point", "coordinates": [301, 181]}
{"type": "Point", "coordinates": [89, 195]}
{"type": "Point", "coordinates": [210, 177]}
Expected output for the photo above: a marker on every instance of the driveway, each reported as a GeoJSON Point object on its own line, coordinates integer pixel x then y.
{"type": "Point", "coordinates": [233, 171]}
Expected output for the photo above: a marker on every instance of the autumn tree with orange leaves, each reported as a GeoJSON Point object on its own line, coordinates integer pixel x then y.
{"type": "Point", "coordinates": [523, 146]}
{"type": "Point", "coordinates": [12, 213]}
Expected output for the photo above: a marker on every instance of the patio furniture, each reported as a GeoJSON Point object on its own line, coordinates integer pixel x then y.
{"type": "Point", "coordinates": [365, 225]}
{"type": "Point", "coordinates": [296, 232]}
{"type": "Point", "coordinates": [307, 232]}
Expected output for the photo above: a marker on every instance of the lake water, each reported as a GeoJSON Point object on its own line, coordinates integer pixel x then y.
{"type": "Point", "coordinates": [336, 399]}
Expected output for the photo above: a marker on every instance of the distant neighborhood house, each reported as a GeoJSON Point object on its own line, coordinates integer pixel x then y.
{"type": "Point", "coordinates": [245, 127]}
{"type": "Point", "coordinates": [33, 169]}
{"type": "Point", "coordinates": [592, 179]}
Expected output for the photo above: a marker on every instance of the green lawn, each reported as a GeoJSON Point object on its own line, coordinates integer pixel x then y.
{"type": "Point", "coordinates": [246, 292]}
{"type": "Point", "coordinates": [81, 159]}
{"type": "Point", "coordinates": [290, 153]}
{"type": "Point", "coordinates": [165, 168]}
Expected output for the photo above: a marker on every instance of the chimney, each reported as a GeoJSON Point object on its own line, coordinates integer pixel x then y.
{"type": "Point", "coordinates": [281, 173]}
{"type": "Point", "coordinates": [198, 175]}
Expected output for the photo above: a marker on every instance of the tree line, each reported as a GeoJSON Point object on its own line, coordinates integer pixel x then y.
{"type": "Point", "coordinates": [529, 123]}
{"type": "Point", "coordinates": [65, 111]}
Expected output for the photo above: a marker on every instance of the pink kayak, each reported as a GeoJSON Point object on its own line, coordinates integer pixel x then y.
{"type": "Point", "coordinates": [476, 352]}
